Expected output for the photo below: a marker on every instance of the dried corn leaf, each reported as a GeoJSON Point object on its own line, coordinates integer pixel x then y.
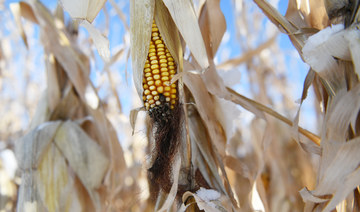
{"type": "Point", "coordinates": [342, 112]}
{"type": "Point", "coordinates": [169, 32]}
{"type": "Point", "coordinates": [338, 175]}
{"type": "Point", "coordinates": [56, 41]}
{"type": "Point", "coordinates": [202, 153]}
{"type": "Point", "coordinates": [55, 182]}
{"type": "Point", "coordinates": [353, 37]}
{"type": "Point", "coordinates": [83, 154]}
{"type": "Point", "coordinates": [19, 10]}
{"type": "Point", "coordinates": [83, 9]}
{"type": "Point", "coordinates": [209, 200]}
{"type": "Point", "coordinates": [30, 149]}
{"type": "Point", "coordinates": [174, 188]}
{"type": "Point", "coordinates": [321, 49]}
{"type": "Point", "coordinates": [213, 25]}
{"type": "Point", "coordinates": [282, 23]}
{"type": "Point", "coordinates": [41, 155]}
{"type": "Point", "coordinates": [186, 21]}
{"type": "Point", "coordinates": [100, 41]}
{"type": "Point", "coordinates": [141, 18]}
{"type": "Point", "coordinates": [206, 109]}
{"type": "Point", "coordinates": [338, 178]}
{"type": "Point", "coordinates": [86, 11]}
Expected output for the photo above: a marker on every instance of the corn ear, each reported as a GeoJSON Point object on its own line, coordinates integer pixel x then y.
{"type": "Point", "coordinates": [159, 69]}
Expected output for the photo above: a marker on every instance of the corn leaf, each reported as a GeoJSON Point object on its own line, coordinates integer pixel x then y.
{"type": "Point", "coordinates": [186, 21]}
{"type": "Point", "coordinates": [141, 18]}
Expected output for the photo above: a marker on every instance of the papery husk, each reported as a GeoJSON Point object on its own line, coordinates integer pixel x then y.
{"type": "Point", "coordinates": [183, 14]}
{"type": "Point", "coordinates": [141, 19]}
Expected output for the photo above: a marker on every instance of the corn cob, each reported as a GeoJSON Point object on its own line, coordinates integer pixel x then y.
{"type": "Point", "coordinates": [159, 69]}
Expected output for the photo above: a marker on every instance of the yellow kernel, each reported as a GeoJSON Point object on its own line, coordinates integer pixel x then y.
{"type": "Point", "coordinates": [154, 34]}
{"type": "Point", "coordinates": [167, 99]}
{"type": "Point", "coordinates": [152, 88]}
{"type": "Point", "coordinates": [160, 50]}
{"type": "Point", "coordinates": [163, 61]}
{"type": "Point", "coordinates": [170, 63]}
{"type": "Point", "coordinates": [152, 50]}
{"type": "Point", "coordinates": [150, 82]}
{"type": "Point", "coordinates": [167, 94]}
{"type": "Point", "coordinates": [147, 105]}
{"type": "Point", "coordinates": [157, 102]}
{"type": "Point", "coordinates": [167, 50]}
{"type": "Point", "coordinates": [164, 74]}
{"type": "Point", "coordinates": [156, 97]}
{"type": "Point", "coordinates": [173, 101]}
{"type": "Point", "coordinates": [160, 89]}
{"type": "Point", "coordinates": [170, 59]}
{"type": "Point", "coordinates": [172, 67]}
{"type": "Point", "coordinates": [148, 74]}
{"type": "Point", "coordinates": [147, 70]}
{"type": "Point", "coordinates": [172, 71]}
{"type": "Point", "coordinates": [173, 85]}
{"type": "Point", "coordinates": [171, 106]}
{"type": "Point", "coordinates": [171, 76]}
{"type": "Point", "coordinates": [163, 69]}
{"type": "Point", "coordinates": [164, 78]}
{"type": "Point", "coordinates": [154, 67]}
{"type": "Point", "coordinates": [152, 46]}
{"type": "Point", "coordinates": [156, 76]}
{"type": "Point", "coordinates": [173, 91]}
{"type": "Point", "coordinates": [162, 57]}
{"type": "Point", "coordinates": [160, 53]}
{"type": "Point", "coordinates": [152, 106]}
{"type": "Point", "coordinates": [168, 54]}
{"type": "Point", "coordinates": [154, 29]}
{"type": "Point", "coordinates": [153, 58]}
{"type": "Point", "coordinates": [167, 83]}
{"type": "Point", "coordinates": [149, 78]}
{"type": "Point", "coordinates": [153, 62]}
{"type": "Point", "coordinates": [146, 92]}
{"type": "Point", "coordinates": [151, 101]}
{"type": "Point", "coordinates": [158, 41]}
{"type": "Point", "coordinates": [145, 86]}
{"type": "Point", "coordinates": [160, 45]}
{"type": "Point", "coordinates": [155, 71]}
{"type": "Point", "coordinates": [147, 66]}
{"type": "Point", "coordinates": [154, 93]}
{"type": "Point", "coordinates": [149, 96]}
{"type": "Point", "coordinates": [144, 81]}
{"type": "Point", "coordinates": [146, 61]}
{"type": "Point", "coordinates": [152, 54]}
{"type": "Point", "coordinates": [173, 96]}
{"type": "Point", "coordinates": [158, 82]}
{"type": "Point", "coordinates": [167, 88]}
{"type": "Point", "coordinates": [163, 65]}
{"type": "Point", "coordinates": [144, 98]}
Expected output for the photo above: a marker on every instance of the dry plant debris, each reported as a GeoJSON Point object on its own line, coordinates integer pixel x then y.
{"type": "Point", "coordinates": [211, 134]}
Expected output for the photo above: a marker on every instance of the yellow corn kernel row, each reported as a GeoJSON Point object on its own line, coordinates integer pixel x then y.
{"type": "Point", "coordinates": [159, 69]}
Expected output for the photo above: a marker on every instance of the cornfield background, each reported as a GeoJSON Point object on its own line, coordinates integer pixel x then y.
{"type": "Point", "coordinates": [74, 135]}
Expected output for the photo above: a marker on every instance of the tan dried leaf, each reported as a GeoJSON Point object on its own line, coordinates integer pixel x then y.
{"type": "Point", "coordinates": [22, 9]}
{"type": "Point", "coordinates": [213, 25]}
{"type": "Point", "coordinates": [83, 9]}
{"type": "Point", "coordinates": [209, 200]}
{"type": "Point", "coordinates": [169, 32]}
{"type": "Point", "coordinates": [141, 18]}
{"type": "Point", "coordinates": [186, 21]}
